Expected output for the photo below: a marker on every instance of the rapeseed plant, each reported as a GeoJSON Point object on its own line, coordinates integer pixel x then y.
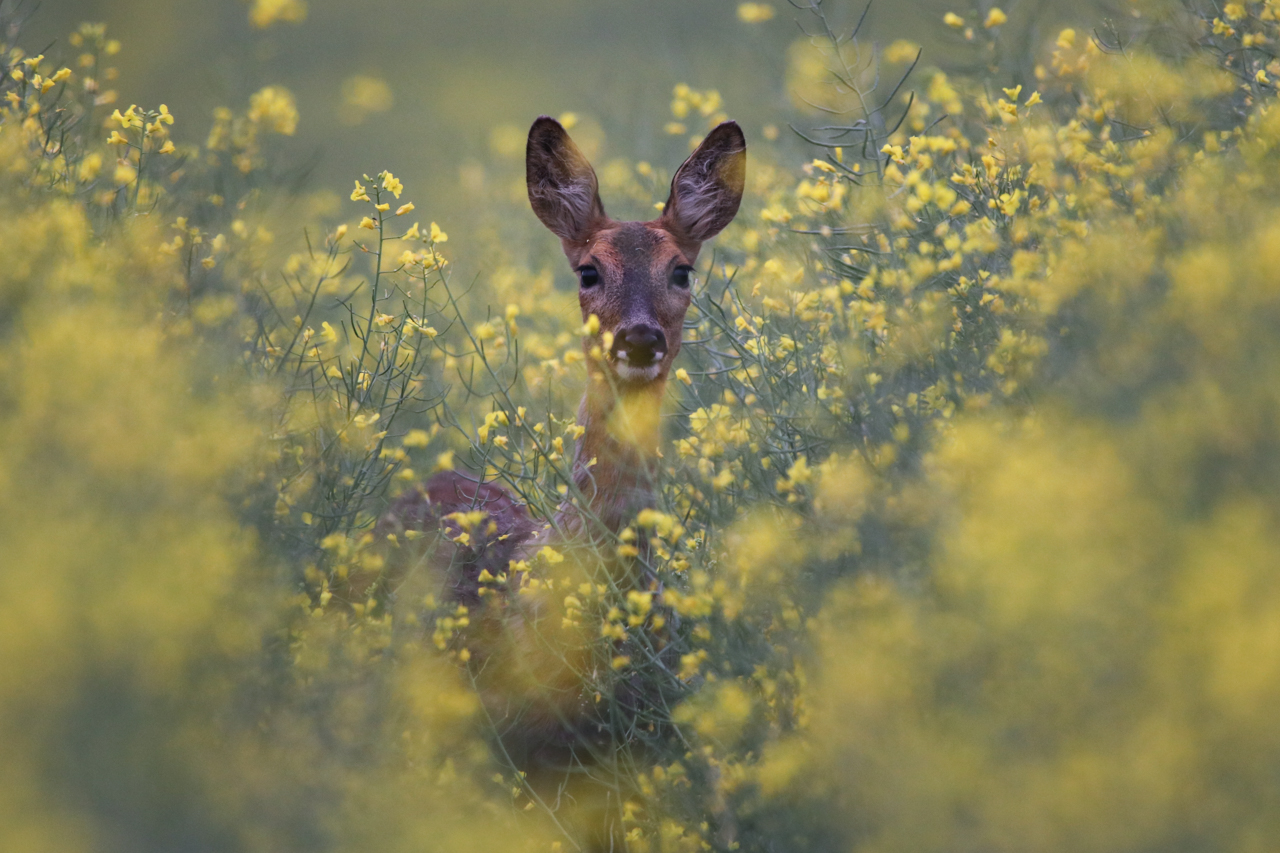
{"type": "Point", "coordinates": [965, 523]}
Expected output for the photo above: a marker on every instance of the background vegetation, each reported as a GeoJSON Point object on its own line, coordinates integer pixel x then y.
{"type": "Point", "coordinates": [970, 490]}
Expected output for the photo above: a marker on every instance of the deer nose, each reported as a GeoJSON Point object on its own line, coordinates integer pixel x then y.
{"type": "Point", "coordinates": [640, 345]}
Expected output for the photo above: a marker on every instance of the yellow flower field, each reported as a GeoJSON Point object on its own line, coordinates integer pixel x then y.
{"type": "Point", "coordinates": [969, 483]}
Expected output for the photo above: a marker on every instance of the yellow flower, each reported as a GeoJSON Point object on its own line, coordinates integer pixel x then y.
{"type": "Point", "coordinates": [551, 555]}
{"type": "Point", "coordinates": [167, 148]}
{"type": "Point", "coordinates": [266, 12]}
{"type": "Point", "coordinates": [274, 107]}
{"type": "Point", "coordinates": [129, 118]}
{"type": "Point", "coordinates": [392, 184]}
{"type": "Point", "coordinates": [754, 13]}
{"type": "Point", "coordinates": [898, 52]}
{"type": "Point", "coordinates": [404, 208]}
{"type": "Point", "coordinates": [359, 193]}
{"type": "Point", "coordinates": [995, 17]}
{"type": "Point", "coordinates": [951, 19]}
{"type": "Point", "coordinates": [361, 96]}
{"type": "Point", "coordinates": [438, 236]}
{"type": "Point", "coordinates": [1234, 11]}
{"type": "Point", "coordinates": [165, 116]}
{"type": "Point", "coordinates": [366, 222]}
{"type": "Point", "coordinates": [90, 166]}
{"type": "Point", "coordinates": [124, 174]}
{"type": "Point", "coordinates": [683, 376]}
{"type": "Point", "coordinates": [798, 474]}
{"type": "Point", "coordinates": [416, 438]}
{"type": "Point", "coordinates": [116, 139]}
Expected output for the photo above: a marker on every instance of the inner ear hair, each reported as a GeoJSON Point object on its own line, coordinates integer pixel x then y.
{"type": "Point", "coordinates": [563, 190]}
{"type": "Point", "coordinates": [707, 189]}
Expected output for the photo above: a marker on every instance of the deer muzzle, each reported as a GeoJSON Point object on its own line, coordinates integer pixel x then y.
{"type": "Point", "coordinates": [638, 351]}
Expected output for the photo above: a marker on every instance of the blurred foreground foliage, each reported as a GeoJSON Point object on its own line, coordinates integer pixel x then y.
{"type": "Point", "coordinates": [964, 536]}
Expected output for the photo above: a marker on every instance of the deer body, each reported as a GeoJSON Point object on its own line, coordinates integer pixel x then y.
{"type": "Point", "coordinates": [635, 279]}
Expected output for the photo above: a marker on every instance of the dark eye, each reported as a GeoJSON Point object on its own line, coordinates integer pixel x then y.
{"type": "Point", "coordinates": [681, 277]}
{"type": "Point", "coordinates": [589, 276]}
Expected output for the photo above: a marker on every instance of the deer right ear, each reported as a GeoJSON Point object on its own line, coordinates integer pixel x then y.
{"type": "Point", "coordinates": [563, 190]}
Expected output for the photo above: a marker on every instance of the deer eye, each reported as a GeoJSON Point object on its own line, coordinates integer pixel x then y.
{"type": "Point", "coordinates": [681, 277]}
{"type": "Point", "coordinates": [588, 276]}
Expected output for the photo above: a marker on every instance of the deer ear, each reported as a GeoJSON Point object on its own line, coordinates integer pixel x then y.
{"type": "Point", "coordinates": [707, 189]}
{"type": "Point", "coordinates": [562, 185]}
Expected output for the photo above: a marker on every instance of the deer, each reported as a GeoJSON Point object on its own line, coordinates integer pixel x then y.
{"type": "Point", "coordinates": [635, 279]}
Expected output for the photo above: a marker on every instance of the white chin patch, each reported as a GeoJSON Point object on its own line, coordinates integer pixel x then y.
{"type": "Point", "coordinates": [637, 374]}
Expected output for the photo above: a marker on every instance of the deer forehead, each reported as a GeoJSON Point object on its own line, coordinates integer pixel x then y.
{"type": "Point", "coordinates": [634, 249]}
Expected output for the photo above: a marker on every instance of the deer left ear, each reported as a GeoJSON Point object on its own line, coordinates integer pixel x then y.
{"type": "Point", "coordinates": [707, 189]}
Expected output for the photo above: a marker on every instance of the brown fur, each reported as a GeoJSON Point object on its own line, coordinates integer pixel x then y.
{"type": "Point", "coordinates": [491, 545]}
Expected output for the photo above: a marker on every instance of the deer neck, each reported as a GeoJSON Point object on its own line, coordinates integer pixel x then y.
{"type": "Point", "coordinates": [616, 463]}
